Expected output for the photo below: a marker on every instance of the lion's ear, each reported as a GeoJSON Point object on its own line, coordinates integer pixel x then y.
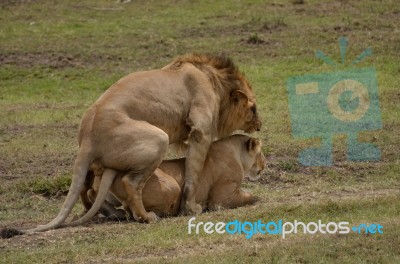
{"type": "Point", "coordinates": [253, 144]}
{"type": "Point", "coordinates": [238, 96]}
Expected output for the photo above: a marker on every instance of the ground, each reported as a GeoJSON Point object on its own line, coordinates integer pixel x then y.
{"type": "Point", "coordinates": [56, 58]}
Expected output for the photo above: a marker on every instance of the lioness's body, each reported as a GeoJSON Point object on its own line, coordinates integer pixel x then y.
{"type": "Point", "coordinates": [195, 99]}
{"type": "Point", "coordinates": [226, 164]}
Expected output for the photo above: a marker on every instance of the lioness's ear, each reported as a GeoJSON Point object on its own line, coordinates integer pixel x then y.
{"type": "Point", "coordinates": [238, 96]}
{"type": "Point", "coordinates": [252, 144]}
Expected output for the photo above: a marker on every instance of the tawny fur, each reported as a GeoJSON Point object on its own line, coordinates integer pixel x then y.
{"type": "Point", "coordinates": [226, 164]}
{"type": "Point", "coordinates": [194, 99]}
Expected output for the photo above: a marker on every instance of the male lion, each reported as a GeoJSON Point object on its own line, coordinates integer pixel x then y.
{"type": "Point", "coordinates": [227, 162]}
{"type": "Point", "coordinates": [194, 99]}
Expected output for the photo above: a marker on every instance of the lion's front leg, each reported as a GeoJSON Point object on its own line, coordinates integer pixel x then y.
{"type": "Point", "coordinates": [196, 154]}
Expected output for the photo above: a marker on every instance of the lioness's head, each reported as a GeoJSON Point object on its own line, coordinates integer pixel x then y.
{"type": "Point", "coordinates": [253, 160]}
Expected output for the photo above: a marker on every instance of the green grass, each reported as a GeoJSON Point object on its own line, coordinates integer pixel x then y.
{"type": "Point", "coordinates": [57, 58]}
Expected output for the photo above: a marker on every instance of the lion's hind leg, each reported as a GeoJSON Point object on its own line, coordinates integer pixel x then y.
{"type": "Point", "coordinates": [133, 185]}
{"type": "Point", "coordinates": [144, 147]}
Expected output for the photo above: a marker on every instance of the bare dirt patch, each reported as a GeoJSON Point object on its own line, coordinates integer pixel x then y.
{"type": "Point", "coordinates": [55, 60]}
{"type": "Point", "coordinates": [7, 3]}
{"type": "Point", "coordinates": [45, 238]}
{"type": "Point", "coordinates": [14, 165]}
{"type": "Point", "coordinates": [50, 60]}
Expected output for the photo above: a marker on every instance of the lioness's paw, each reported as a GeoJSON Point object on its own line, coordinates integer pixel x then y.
{"type": "Point", "coordinates": [149, 217]}
{"type": "Point", "coordinates": [193, 209]}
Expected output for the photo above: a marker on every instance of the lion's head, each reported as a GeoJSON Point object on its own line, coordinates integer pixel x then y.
{"type": "Point", "coordinates": [238, 110]}
{"type": "Point", "coordinates": [255, 159]}
{"type": "Point", "coordinates": [243, 109]}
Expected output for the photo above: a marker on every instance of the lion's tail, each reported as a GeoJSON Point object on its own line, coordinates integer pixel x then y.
{"type": "Point", "coordinates": [105, 184]}
{"type": "Point", "coordinates": [81, 168]}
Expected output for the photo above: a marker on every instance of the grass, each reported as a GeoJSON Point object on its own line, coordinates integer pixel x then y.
{"type": "Point", "coordinates": [57, 58]}
{"type": "Point", "coordinates": [45, 186]}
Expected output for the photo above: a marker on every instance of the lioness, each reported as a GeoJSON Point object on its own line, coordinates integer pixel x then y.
{"type": "Point", "coordinates": [194, 99]}
{"type": "Point", "coordinates": [227, 162]}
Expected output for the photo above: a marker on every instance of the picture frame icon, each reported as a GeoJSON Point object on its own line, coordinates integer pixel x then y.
{"type": "Point", "coordinates": [338, 102]}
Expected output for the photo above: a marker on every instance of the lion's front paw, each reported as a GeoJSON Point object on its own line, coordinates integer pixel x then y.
{"type": "Point", "coordinates": [149, 217]}
{"type": "Point", "coordinates": [193, 209]}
